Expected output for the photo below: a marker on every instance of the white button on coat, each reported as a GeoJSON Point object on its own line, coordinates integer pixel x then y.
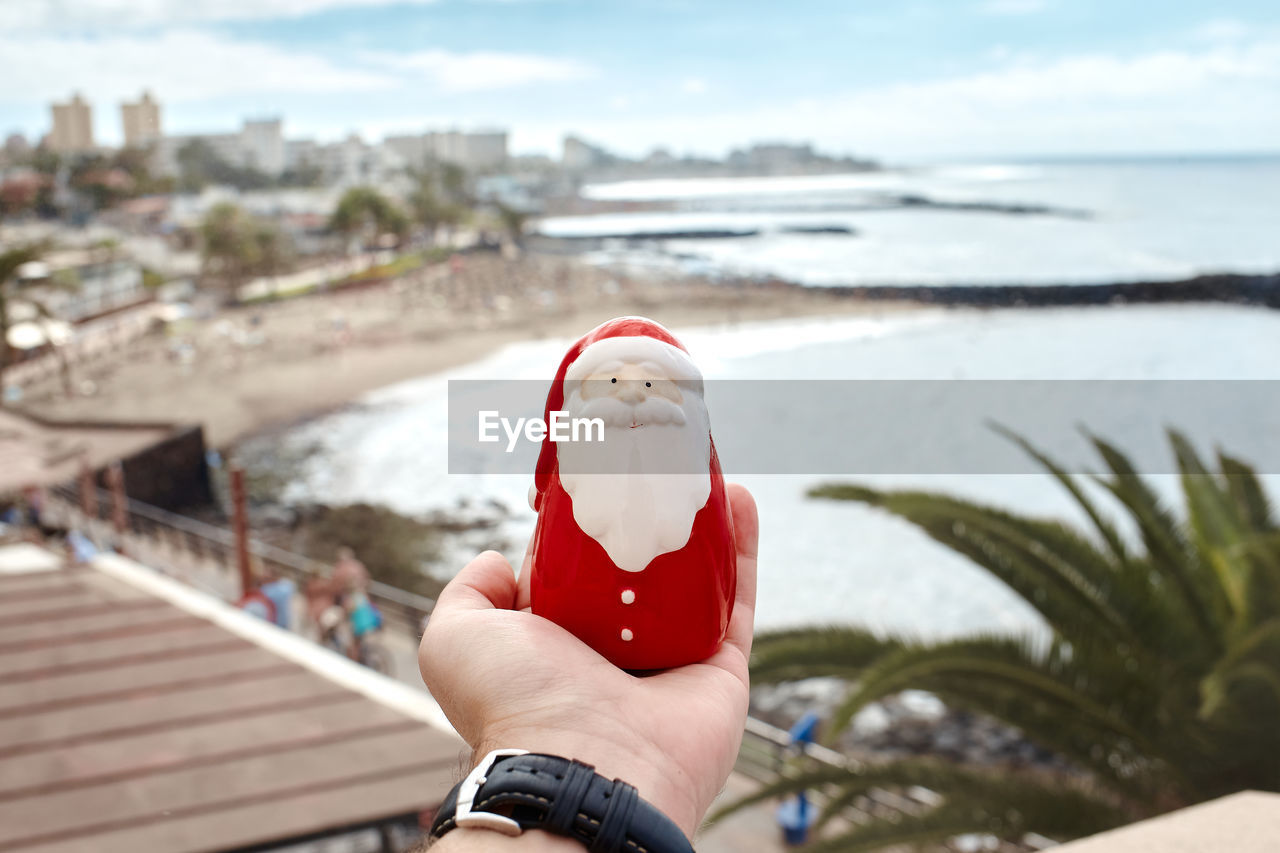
{"type": "Point", "coordinates": [626, 635]}
{"type": "Point", "coordinates": [628, 596]}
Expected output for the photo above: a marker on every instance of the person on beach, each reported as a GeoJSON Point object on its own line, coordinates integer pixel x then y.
{"type": "Point", "coordinates": [349, 575]}
{"type": "Point", "coordinates": [658, 746]}
{"type": "Point", "coordinates": [328, 599]}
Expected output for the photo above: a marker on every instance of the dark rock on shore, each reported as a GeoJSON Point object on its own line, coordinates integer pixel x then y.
{"type": "Point", "coordinates": [912, 723]}
{"type": "Point", "coordinates": [818, 229]}
{"type": "Point", "coordinates": [1240, 289]}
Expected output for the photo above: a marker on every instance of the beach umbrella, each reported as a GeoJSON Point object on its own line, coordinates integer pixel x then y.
{"type": "Point", "coordinates": [32, 334]}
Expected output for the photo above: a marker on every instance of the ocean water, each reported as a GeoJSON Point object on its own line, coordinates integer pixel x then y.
{"type": "Point", "coordinates": [823, 562]}
{"type": "Point", "coordinates": [1137, 220]}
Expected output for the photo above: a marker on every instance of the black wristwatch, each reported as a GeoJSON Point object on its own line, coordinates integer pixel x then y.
{"type": "Point", "coordinates": [512, 790]}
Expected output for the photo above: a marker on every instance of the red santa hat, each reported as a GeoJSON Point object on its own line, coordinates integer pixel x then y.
{"type": "Point", "coordinates": [634, 339]}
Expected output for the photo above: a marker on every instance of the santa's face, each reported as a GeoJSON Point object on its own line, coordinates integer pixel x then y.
{"type": "Point", "coordinates": [637, 492]}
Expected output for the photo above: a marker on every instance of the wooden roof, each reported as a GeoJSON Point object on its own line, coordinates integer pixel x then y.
{"type": "Point", "coordinates": [39, 452]}
{"type": "Point", "coordinates": [129, 723]}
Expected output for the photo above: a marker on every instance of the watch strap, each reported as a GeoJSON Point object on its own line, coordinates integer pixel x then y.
{"type": "Point", "coordinates": [565, 797]}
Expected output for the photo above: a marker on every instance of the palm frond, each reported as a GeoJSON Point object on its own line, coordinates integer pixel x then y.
{"type": "Point", "coordinates": [1053, 568]}
{"type": "Point", "coordinates": [1068, 705]}
{"type": "Point", "coordinates": [834, 651]}
{"type": "Point", "coordinates": [1246, 491]}
{"type": "Point", "coordinates": [1171, 555]}
{"type": "Point", "coordinates": [1159, 684]}
{"type": "Point", "coordinates": [1110, 535]}
{"type": "Point", "coordinates": [1215, 524]}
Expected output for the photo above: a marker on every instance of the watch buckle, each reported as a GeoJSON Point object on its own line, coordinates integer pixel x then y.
{"type": "Point", "coordinates": [463, 815]}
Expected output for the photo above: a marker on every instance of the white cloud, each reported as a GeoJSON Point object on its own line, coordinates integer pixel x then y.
{"type": "Point", "coordinates": [1222, 29]}
{"type": "Point", "coordinates": [1012, 7]}
{"type": "Point", "coordinates": [189, 65]}
{"type": "Point", "coordinates": [178, 65]}
{"type": "Point", "coordinates": [481, 70]}
{"type": "Point", "coordinates": [1224, 97]}
{"type": "Point", "coordinates": [693, 86]}
{"type": "Point", "coordinates": [70, 15]}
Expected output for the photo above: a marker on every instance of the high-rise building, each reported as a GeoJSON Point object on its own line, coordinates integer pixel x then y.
{"type": "Point", "coordinates": [72, 131]}
{"type": "Point", "coordinates": [141, 121]}
{"type": "Point", "coordinates": [580, 154]}
{"type": "Point", "coordinates": [486, 149]}
{"type": "Point", "coordinates": [262, 145]}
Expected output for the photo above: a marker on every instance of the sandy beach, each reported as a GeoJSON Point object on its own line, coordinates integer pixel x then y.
{"type": "Point", "coordinates": [259, 367]}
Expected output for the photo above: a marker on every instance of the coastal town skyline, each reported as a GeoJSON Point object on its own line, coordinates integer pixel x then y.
{"type": "Point", "coordinates": [1001, 77]}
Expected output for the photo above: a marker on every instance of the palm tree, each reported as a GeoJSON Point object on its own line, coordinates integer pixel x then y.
{"type": "Point", "coordinates": [366, 213]}
{"type": "Point", "coordinates": [439, 197]}
{"type": "Point", "coordinates": [229, 253]}
{"type": "Point", "coordinates": [513, 220]}
{"type": "Point", "coordinates": [1159, 683]}
{"type": "Point", "coordinates": [236, 246]}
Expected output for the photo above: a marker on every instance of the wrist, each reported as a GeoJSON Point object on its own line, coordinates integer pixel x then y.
{"type": "Point", "coordinates": [657, 779]}
{"type": "Point", "coordinates": [534, 841]}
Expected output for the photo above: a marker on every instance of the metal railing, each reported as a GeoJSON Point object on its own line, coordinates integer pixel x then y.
{"type": "Point", "coordinates": [767, 750]}
{"type": "Point", "coordinates": [204, 555]}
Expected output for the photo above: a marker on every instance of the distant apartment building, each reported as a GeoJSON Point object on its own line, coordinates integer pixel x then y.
{"type": "Point", "coordinates": [141, 121]}
{"type": "Point", "coordinates": [486, 149]}
{"type": "Point", "coordinates": [578, 154]}
{"type": "Point", "coordinates": [262, 144]}
{"type": "Point", "coordinates": [257, 145]}
{"type": "Point", "coordinates": [72, 131]}
{"type": "Point", "coordinates": [352, 162]}
{"type": "Point", "coordinates": [773, 157]}
{"type": "Point", "coordinates": [474, 151]}
{"type": "Point", "coordinates": [299, 153]}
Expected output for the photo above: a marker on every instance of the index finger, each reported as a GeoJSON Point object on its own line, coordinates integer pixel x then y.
{"type": "Point", "coordinates": [486, 583]}
{"type": "Point", "coordinates": [746, 534]}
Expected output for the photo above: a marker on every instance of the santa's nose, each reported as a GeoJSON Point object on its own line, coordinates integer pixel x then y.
{"type": "Point", "coordinates": [631, 391]}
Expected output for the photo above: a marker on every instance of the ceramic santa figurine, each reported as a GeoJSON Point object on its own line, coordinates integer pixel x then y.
{"type": "Point", "coordinates": [633, 551]}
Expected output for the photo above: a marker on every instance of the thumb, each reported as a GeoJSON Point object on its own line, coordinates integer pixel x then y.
{"type": "Point", "coordinates": [486, 583]}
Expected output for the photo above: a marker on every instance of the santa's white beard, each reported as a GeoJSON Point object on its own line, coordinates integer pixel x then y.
{"type": "Point", "coordinates": [637, 492]}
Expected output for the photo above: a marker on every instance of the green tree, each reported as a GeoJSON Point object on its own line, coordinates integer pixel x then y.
{"type": "Point", "coordinates": [136, 162]}
{"type": "Point", "coordinates": [235, 246]}
{"type": "Point", "coordinates": [365, 213]}
{"type": "Point", "coordinates": [441, 196]}
{"type": "Point", "coordinates": [199, 165]}
{"type": "Point", "coordinates": [1159, 683]}
{"type": "Point", "coordinates": [513, 220]}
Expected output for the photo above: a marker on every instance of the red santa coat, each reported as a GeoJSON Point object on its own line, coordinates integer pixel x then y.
{"type": "Point", "coordinates": [676, 610]}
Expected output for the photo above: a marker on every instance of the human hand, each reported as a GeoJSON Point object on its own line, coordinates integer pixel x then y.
{"type": "Point", "coordinates": [509, 679]}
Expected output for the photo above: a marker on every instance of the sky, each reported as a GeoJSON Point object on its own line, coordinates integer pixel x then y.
{"type": "Point", "coordinates": [899, 81]}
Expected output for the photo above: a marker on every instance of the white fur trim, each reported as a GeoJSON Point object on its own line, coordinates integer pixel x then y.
{"type": "Point", "coordinates": [673, 361]}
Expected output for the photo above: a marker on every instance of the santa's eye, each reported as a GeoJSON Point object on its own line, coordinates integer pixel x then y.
{"type": "Point", "coordinates": [614, 380]}
{"type": "Point", "coordinates": [648, 384]}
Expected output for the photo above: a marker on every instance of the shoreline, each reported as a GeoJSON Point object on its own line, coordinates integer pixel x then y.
{"type": "Point", "coordinates": [257, 369]}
